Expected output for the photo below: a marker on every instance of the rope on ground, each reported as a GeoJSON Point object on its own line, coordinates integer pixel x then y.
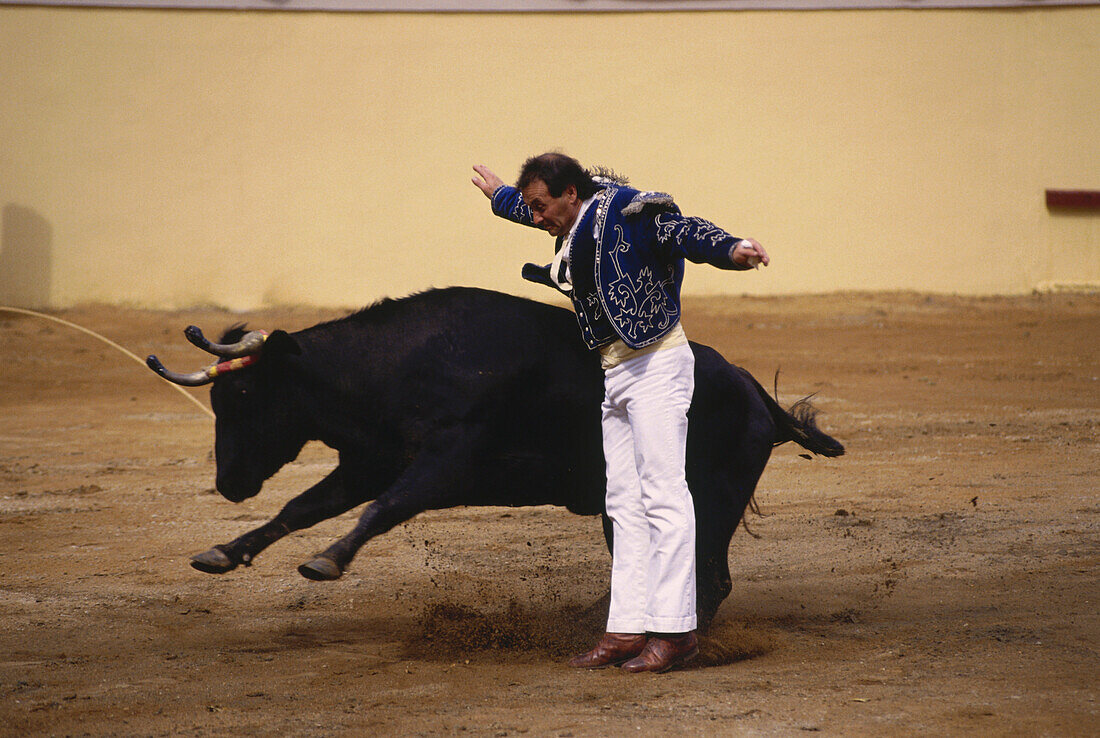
{"type": "Point", "coordinates": [109, 342]}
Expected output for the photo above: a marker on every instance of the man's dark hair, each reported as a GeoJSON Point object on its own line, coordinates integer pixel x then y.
{"type": "Point", "coordinates": [558, 171]}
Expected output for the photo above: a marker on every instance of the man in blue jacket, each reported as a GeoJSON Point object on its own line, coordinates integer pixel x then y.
{"type": "Point", "coordinates": [619, 256]}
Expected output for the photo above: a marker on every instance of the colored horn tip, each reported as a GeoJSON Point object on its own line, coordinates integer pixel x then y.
{"type": "Point", "coordinates": [195, 337]}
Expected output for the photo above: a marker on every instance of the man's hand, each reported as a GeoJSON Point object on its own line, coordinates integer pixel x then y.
{"type": "Point", "coordinates": [748, 252]}
{"type": "Point", "coordinates": [487, 182]}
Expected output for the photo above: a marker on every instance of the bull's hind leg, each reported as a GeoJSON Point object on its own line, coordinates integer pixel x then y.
{"type": "Point", "coordinates": [326, 499]}
{"type": "Point", "coordinates": [435, 479]}
{"type": "Point", "coordinates": [712, 572]}
{"type": "Point", "coordinates": [725, 498]}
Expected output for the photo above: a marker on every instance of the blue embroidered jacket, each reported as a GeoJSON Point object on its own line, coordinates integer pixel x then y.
{"type": "Point", "coordinates": [627, 261]}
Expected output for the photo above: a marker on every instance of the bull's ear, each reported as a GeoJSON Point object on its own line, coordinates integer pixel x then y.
{"type": "Point", "coordinates": [281, 342]}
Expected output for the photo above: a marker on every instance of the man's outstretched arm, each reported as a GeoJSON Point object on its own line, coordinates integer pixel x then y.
{"type": "Point", "coordinates": [507, 201]}
{"type": "Point", "coordinates": [699, 240]}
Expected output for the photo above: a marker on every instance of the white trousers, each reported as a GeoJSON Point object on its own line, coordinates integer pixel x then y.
{"type": "Point", "coordinates": [646, 400]}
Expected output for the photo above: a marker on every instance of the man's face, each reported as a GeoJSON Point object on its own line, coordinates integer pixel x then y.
{"type": "Point", "coordinates": [554, 214]}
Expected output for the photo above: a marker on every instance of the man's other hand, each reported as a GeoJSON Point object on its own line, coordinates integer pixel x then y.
{"type": "Point", "coordinates": [749, 253]}
{"type": "Point", "coordinates": [487, 182]}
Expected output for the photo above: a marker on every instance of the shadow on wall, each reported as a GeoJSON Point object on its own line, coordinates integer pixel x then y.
{"type": "Point", "coordinates": [26, 245]}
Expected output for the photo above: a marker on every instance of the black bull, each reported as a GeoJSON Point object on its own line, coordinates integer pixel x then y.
{"type": "Point", "coordinates": [465, 397]}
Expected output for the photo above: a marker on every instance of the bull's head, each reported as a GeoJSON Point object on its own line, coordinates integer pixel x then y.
{"type": "Point", "coordinates": [255, 433]}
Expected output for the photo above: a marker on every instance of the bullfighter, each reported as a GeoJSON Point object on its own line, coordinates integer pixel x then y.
{"type": "Point", "coordinates": [619, 257]}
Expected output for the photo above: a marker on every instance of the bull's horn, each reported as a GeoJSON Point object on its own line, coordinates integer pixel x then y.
{"type": "Point", "coordinates": [194, 379]}
{"type": "Point", "coordinates": [250, 343]}
{"type": "Point", "coordinates": [203, 376]}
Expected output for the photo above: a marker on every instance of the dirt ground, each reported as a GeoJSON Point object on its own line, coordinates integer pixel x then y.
{"type": "Point", "coordinates": [941, 578]}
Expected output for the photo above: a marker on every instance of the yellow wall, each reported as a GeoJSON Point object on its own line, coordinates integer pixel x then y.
{"type": "Point", "coordinates": [169, 158]}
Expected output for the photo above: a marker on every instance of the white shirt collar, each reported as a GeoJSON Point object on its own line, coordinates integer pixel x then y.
{"type": "Point", "coordinates": [566, 247]}
{"type": "Point", "coordinates": [577, 222]}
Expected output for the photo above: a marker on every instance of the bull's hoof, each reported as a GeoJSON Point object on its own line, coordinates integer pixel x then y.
{"type": "Point", "coordinates": [213, 561]}
{"type": "Point", "coordinates": [321, 569]}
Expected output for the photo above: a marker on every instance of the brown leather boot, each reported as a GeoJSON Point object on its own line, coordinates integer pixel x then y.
{"type": "Point", "coordinates": [612, 650]}
{"type": "Point", "coordinates": [664, 652]}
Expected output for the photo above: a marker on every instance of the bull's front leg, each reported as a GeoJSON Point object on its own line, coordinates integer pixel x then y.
{"type": "Point", "coordinates": [441, 473]}
{"type": "Point", "coordinates": [326, 499]}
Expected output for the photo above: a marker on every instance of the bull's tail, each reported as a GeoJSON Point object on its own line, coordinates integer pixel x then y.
{"type": "Point", "coordinates": [799, 424]}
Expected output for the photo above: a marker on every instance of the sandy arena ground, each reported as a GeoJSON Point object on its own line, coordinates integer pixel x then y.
{"type": "Point", "coordinates": [941, 578]}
